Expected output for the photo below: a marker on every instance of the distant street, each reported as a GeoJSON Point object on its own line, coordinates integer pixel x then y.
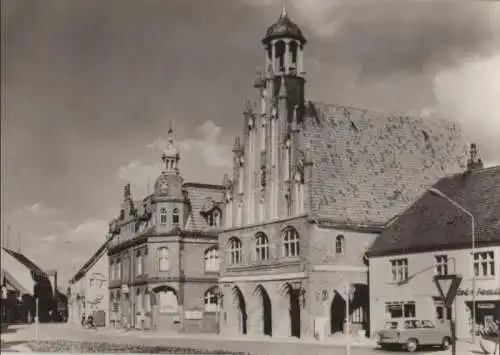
{"type": "Point", "coordinates": [24, 333]}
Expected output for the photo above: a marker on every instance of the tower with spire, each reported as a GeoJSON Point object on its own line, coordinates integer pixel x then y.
{"type": "Point", "coordinates": [263, 161]}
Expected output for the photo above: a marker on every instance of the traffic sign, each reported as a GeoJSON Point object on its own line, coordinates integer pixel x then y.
{"type": "Point", "coordinates": [447, 286]}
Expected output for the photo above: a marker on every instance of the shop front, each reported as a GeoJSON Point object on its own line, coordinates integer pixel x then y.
{"type": "Point", "coordinates": [483, 308]}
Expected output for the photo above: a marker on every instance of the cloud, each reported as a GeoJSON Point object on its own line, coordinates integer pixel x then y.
{"type": "Point", "coordinates": [470, 93]}
{"type": "Point", "coordinates": [213, 154]}
{"type": "Point", "coordinates": [36, 209]}
{"type": "Point", "coordinates": [139, 175]}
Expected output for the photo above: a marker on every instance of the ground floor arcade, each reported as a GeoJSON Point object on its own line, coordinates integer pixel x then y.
{"type": "Point", "coordinates": [285, 306]}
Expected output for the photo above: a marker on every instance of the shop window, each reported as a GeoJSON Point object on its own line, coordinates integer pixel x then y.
{"type": "Point", "coordinates": [399, 269]}
{"type": "Point", "coordinates": [484, 264]}
{"type": "Point", "coordinates": [443, 313]}
{"type": "Point", "coordinates": [400, 309]}
{"type": "Point", "coordinates": [441, 264]}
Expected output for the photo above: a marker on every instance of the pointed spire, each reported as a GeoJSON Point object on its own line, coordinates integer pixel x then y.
{"type": "Point", "coordinates": [283, 91]}
{"type": "Point", "coordinates": [236, 147]}
{"type": "Point", "coordinates": [283, 11]}
{"type": "Point", "coordinates": [170, 132]}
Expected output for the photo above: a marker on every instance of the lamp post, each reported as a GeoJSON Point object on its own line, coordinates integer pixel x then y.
{"type": "Point", "coordinates": [467, 212]}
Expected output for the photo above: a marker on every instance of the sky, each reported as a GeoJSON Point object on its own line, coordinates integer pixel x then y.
{"type": "Point", "coordinates": [89, 88]}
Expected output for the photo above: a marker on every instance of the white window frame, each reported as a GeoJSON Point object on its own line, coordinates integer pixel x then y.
{"type": "Point", "coordinates": [211, 257]}
{"type": "Point", "coordinates": [484, 263]}
{"type": "Point", "coordinates": [291, 243]}
{"type": "Point", "coordinates": [138, 265]}
{"type": "Point", "coordinates": [235, 251]}
{"type": "Point", "coordinates": [399, 268]}
{"type": "Point", "coordinates": [442, 265]}
{"type": "Point", "coordinates": [261, 247]}
{"type": "Point", "coordinates": [211, 300]}
{"type": "Point", "coordinates": [163, 257]}
{"type": "Point", "coordinates": [163, 216]}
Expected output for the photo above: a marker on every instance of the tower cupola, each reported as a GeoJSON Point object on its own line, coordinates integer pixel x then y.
{"type": "Point", "coordinates": [170, 156]}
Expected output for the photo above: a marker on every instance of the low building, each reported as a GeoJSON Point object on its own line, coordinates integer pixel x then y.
{"type": "Point", "coordinates": [434, 237]}
{"type": "Point", "coordinates": [163, 259]}
{"type": "Point", "coordinates": [88, 289]}
{"type": "Point", "coordinates": [22, 282]}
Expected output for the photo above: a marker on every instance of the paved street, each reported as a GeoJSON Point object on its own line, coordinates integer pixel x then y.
{"type": "Point", "coordinates": [259, 346]}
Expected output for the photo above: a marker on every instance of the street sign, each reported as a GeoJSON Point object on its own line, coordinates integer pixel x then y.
{"type": "Point", "coordinates": [447, 286]}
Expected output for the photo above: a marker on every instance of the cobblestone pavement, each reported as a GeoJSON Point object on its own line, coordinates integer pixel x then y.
{"type": "Point", "coordinates": [17, 336]}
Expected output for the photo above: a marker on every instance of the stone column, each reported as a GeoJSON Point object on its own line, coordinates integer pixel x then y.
{"type": "Point", "coordinates": [273, 55]}
{"type": "Point", "coordinates": [287, 56]}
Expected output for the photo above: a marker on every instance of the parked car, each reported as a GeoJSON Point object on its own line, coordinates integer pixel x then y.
{"type": "Point", "coordinates": [410, 334]}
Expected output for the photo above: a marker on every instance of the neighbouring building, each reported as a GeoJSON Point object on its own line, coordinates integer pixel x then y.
{"type": "Point", "coordinates": [434, 237]}
{"type": "Point", "coordinates": [163, 259]}
{"type": "Point", "coordinates": [313, 184]}
{"type": "Point", "coordinates": [88, 289]}
{"type": "Point", "coordinates": [22, 282]}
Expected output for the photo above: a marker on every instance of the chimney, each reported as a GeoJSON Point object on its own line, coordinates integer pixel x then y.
{"type": "Point", "coordinates": [474, 162]}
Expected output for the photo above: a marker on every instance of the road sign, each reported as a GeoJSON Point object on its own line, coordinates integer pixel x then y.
{"type": "Point", "coordinates": [447, 286]}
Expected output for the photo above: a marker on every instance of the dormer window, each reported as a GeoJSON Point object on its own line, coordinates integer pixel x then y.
{"type": "Point", "coordinates": [214, 218]}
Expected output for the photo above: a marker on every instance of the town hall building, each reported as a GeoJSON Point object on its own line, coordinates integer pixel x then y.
{"type": "Point", "coordinates": [313, 184]}
{"type": "Point", "coordinates": [163, 255]}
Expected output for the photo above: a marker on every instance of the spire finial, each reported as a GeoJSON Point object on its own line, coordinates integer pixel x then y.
{"type": "Point", "coordinates": [170, 131]}
{"type": "Point", "coordinates": [283, 11]}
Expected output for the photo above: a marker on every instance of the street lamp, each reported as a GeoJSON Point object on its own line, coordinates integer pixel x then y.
{"type": "Point", "coordinates": [467, 212]}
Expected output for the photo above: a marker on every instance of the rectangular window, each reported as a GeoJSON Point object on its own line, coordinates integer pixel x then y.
{"type": "Point", "coordinates": [441, 265]}
{"type": "Point", "coordinates": [484, 263]}
{"type": "Point", "coordinates": [139, 259]}
{"type": "Point", "coordinates": [399, 269]}
{"type": "Point", "coordinates": [400, 309]}
{"type": "Point", "coordinates": [118, 270]}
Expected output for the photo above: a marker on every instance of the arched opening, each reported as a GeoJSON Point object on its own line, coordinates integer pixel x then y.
{"type": "Point", "coordinates": [358, 309]}
{"type": "Point", "coordinates": [242, 309]}
{"type": "Point", "coordinates": [267, 316]}
{"type": "Point", "coordinates": [167, 299]}
{"type": "Point", "coordinates": [294, 297]}
{"type": "Point", "coordinates": [337, 313]}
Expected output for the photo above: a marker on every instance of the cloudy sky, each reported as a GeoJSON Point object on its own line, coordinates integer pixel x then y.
{"type": "Point", "coordinates": [89, 88]}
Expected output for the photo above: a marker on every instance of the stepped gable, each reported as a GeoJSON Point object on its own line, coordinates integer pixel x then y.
{"type": "Point", "coordinates": [197, 194]}
{"type": "Point", "coordinates": [369, 166]}
{"type": "Point", "coordinates": [432, 223]}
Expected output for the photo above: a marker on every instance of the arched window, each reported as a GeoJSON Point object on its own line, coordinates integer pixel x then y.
{"type": "Point", "coordinates": [261, 247]}
{"type": "Point", "coordinates": [175, 216]}
{"type": "Point", "coordinates": [339, 245]}
{"type": "Point", "coordinates": [211, 299]}
{"type": "Point", "coordinates": [163, 261]}
{"type": "Point", "coordinates": [212, 260]}
{"type": "Point", "coordinates": [163, 216]}
{"type": "Point", "coordinates": [291, 246]}
{"type": "Point", "coordinates": [235, 254]}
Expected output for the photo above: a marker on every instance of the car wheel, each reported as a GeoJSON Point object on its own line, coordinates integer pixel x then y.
{"type": "Point", "coordinates": [411, 345]}
{"type": "Point", "coordinates": [445, 344]}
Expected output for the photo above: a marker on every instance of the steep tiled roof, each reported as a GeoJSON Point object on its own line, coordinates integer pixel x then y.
{"type": "Point", "coordinates": [26, 262]}
{"type": "Point", "coordinates": [433, 223]}
{"type": "Point", "coordinates": [198, 195]}
{"type": "Point", "coordinates": [368, 166]}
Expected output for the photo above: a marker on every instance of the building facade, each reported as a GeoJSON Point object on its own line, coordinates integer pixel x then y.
{"type": "Point", "coordinates": [88, 290]}
{"type": "Point", "coordinates": [163, 259]}
{"type": "Point", "coordinates": [312, 186]}
{"type": "Point", "coordinates": [433, 237]}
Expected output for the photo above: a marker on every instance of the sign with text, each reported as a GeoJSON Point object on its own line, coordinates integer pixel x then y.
{"type": "Point", "coordinates": [194, 314]}
{"type": "Point", "coordinates": [479, 292]}
{"type": "Point", "coordinates": [447, 286]}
